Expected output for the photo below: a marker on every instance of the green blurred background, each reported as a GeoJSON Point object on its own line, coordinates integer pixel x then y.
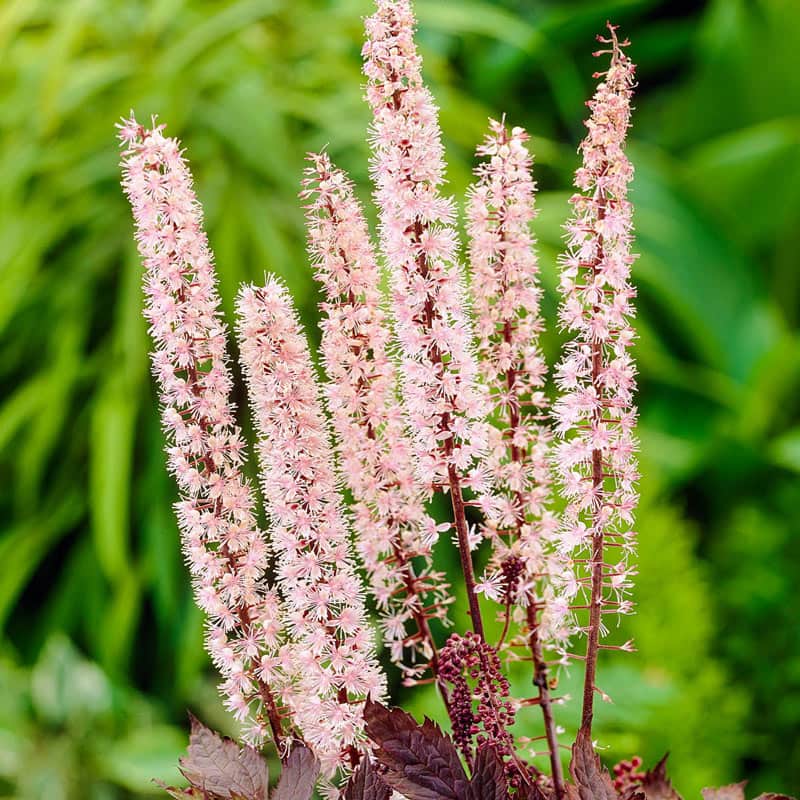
{"type": "Point", "coordinates": [101, 645]}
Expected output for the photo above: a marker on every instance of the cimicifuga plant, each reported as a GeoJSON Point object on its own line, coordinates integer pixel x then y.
{"type": "Point", "coordinates": [430, 381]}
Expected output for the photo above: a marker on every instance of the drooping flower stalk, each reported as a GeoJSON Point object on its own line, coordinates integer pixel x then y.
{"type": "Point", "coordinates": [334, 666]}
{"type": "Point", "coordinates": [507, 295]}
{"type": "Point", "coordinates": [596, 377]}
{"type": "Point", "coordinates": [443, 400]}
{"type": "Point", "coordinates": [224, 548]}
{"type": "Point", "coordinates": [394, 532]}
{"type": "Point", "coordinates": [480, 708]}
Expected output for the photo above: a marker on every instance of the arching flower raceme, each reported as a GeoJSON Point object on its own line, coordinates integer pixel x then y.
{"type": "Point", "coordinates": [443, 397]}
{"type": "Point", "coordinates": [507, 294]}
{"type": "Point", "coordinates": [224, 548]}
{"type": "Point", "coordinates": [332, 644]}
{"type": "Point", "coordinates": [526, 567]}
{"type": "Point", "coordinates": [445, 403]}
{"type": "Point", "coordinates": [393, 531]}
{"type": "Point", "coordinates": [596, 377]}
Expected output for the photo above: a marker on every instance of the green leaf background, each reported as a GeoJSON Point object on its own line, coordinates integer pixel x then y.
{"type": "Point", "coordinates": [101, 647]}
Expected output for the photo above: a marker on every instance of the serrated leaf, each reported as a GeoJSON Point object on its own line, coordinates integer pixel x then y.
{"type": "Point", "coordinates": [219, 766]}
{"type": "Point", "coordinates": [298, 776]}
{"type": "Point", "coordinates": [182, 794]}
{"type": "Point", "coordinates": [488, 776]}
{"type": "Point", "coordinates": [773, 796]}
{"type": "Point", "coordinates": [421, 763]}
{"type": "Point", "coordinates": [366, 784]}
{"type": "Point", "coordinates": [733, 791]}
{"type": "Point", "coordinates": [533, 791]}
{"type": "Point", "coordinates": [656, 785]}
{"type": "Point", "coordinates": [592, 781]}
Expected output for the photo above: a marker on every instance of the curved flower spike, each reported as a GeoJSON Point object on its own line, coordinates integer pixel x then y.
{"type": "Point", "coordinates": [224, 548]}
{"type": "Point", "coordinates": [394, 533]}
{"type": "Point", "coordinates": [331, 646]}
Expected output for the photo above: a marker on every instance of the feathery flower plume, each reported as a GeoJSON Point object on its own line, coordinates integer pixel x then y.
{"type": "Point", "coordinates": [596, 377]}
{"type": "Point", "coordinates": [334, 667]}
{"type": "Point", "coordinates": [394, 531]}
{"type": "Point", "coordinates": [525, 565]}
{"type": "Point", "coordinates": [443, 398]}
{"type": "Point", "coordinates": [223, 546]}
{"type": "Point", "coordinates": [505, 286]}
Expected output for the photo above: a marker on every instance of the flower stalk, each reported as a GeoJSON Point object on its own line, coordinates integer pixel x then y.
{"type": "Point", "coordinates": [444, 401]}
{"type": "Point", "coordinates": [595, 413]}
{"type": "Point", "coordinates": [395, 532]}
{"type": "Point", "coordinates": [507, 295]}
{"type": "Point", "coordinates": [225, 550]}
{"type": "Point", "coordinates": [331, 660]}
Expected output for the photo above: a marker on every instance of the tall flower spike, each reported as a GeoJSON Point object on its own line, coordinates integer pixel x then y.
{"type": "Point", "coordinates": [506, 292]}
{"type": "Point", "coordinates": [596, 377]}
{"type": "Point", "coordinates": [330, 639]}
{"type": "Point", "coordinates": [223, 546]}
{"type": "Point", "coordinates": [393, 529]}
{"type": "Point", "coordinates": [443, 397]}
{"type": "Point", "coordinates": [507, 298]}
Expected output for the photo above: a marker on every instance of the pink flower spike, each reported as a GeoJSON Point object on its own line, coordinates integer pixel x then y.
{"type": "Point", "coordinates": [526, 563]}
{"type": "Point", "coordinates": [595, 413]}
{"type": "Point", "coordinates": [375, 453]}
{"type": "Point", "coordinates": [224, 548]}
{"type": "Point", "coordinates": [505, 281]}
{"type": "Point", "coordinates": [439, 369]}
{"type": "Point", "coordinates": [331, 648]}
{"type": "Point", "coordinates": [445, 402]}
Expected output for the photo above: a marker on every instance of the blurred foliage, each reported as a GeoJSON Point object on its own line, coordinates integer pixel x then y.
{"type": "Point", "coordinates": [66, 731]}
{"type": "Point", "coordinates": [89, 547]}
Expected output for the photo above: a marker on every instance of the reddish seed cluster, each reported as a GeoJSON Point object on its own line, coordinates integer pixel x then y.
{"type": "Point", "coordinates": [479, 705]}
{"type": "Point", "coordinates": [511, 570]}
{"type": "Point", "coordinates": [627, 774]}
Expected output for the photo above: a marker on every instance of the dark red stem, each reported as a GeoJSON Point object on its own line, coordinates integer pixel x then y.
{"type": "Point", "coordinates": [596, 598]}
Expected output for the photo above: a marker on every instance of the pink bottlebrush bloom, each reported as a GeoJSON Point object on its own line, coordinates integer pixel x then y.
{"type": "Point", "coordinates": [444, 400]}
{"type": "Point", "coordinates": [224, 548]}
{"type": "Point", "coordinates": [595, 415]}
{"type": "Point", "coordinates": [505, 286]}
{"type": "Point", "coordinates": [375, 453]}
{"type": "Point", "coordinates": [332, 645]}
{"type": "Point", "coordinates": [526, 563]}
